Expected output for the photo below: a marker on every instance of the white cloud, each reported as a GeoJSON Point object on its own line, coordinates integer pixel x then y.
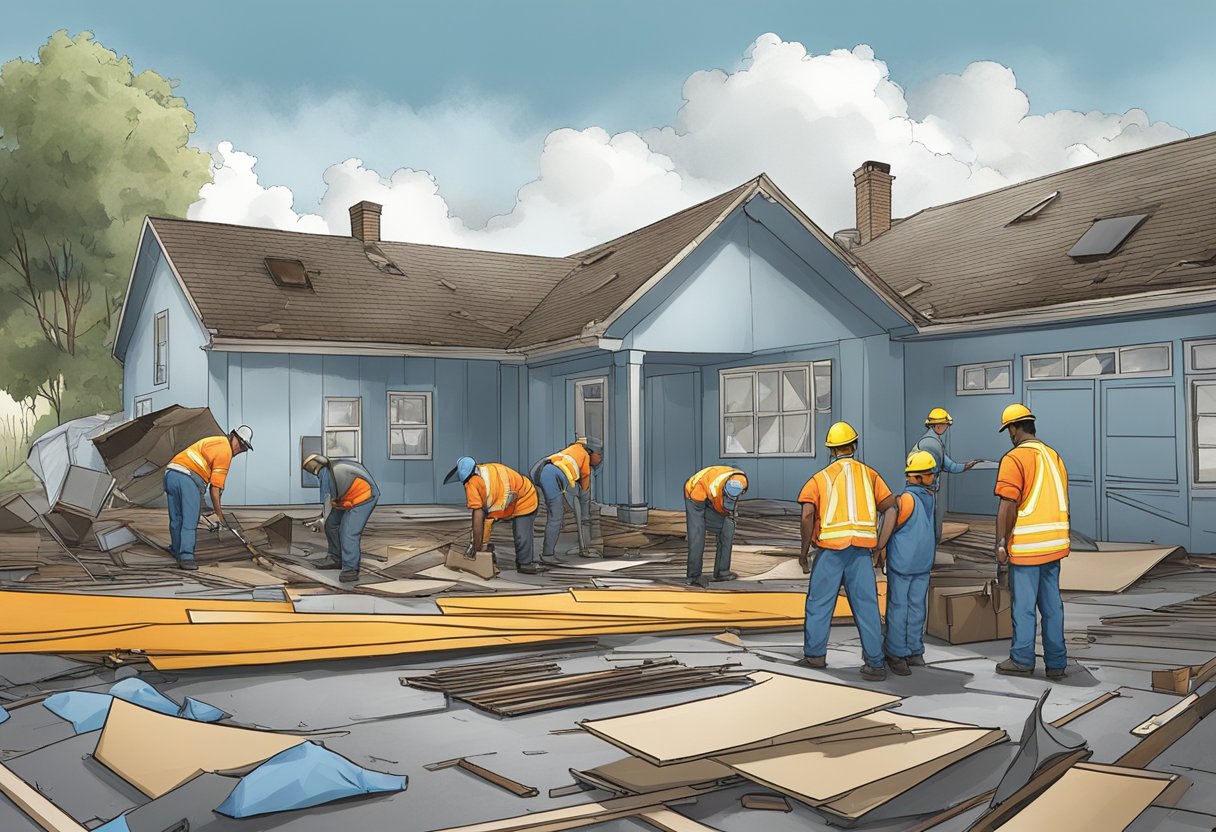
{"type": "Point", "coordinates": [807, 120]}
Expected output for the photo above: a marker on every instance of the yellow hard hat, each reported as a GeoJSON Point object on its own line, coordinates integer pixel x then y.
{"type": "Point", "coordinates": [1014, 413]}
{"type": "Point", "coordinates": [839, 434]}
{"type": "Point", "coordinates": [938, 416]}
{"type": "Point", "coordinates": [920, 462]}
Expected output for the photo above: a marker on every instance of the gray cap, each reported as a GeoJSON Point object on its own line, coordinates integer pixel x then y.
{"type": "Point", "coordinates": [595, 446]}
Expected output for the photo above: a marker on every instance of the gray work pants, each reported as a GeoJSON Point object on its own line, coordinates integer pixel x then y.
{"type": "Point", "coordinates": [939, 506]}
{"type": "Point", "coordinates": [553, 486]}
{"type": "Point", "coordinates": [700, 517]}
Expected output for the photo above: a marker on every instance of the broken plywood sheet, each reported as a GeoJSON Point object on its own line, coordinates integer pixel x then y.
{"type": "Point", "coordinates": [247, 575]}
{"type": "Point", "coordinates": [636, 776]}
{"type": "Point", "coordinates": [776, 706]}
{"type": "Point", "coordinates": [157, 753]}
{"type": "Point", "coordinates": [1109, 570]}
{"type": "Point", "coordinates": [785, 570]}
{"type": "Point", "coordinates": [407, 587]}
{"type": "Point", "coordinates": [614, 565]}
{"type": "Point", "coordinates": [951, 530]}
{"type": "Point", "coordinates": [1092, 796]}
{"type": "Point", "coordinates": [443, 573]}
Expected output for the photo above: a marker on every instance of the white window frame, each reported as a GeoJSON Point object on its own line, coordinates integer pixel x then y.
{"type": "Point", "coordinates": [140, 401]}
{"type": "Point", "coordinates": [1118, 373]}
{"type": "Point", "coordinates": [756, 414]}
{"type": "Point", "coordinates": [327, 428]}
{"type": "Point", "coordinates": [428, 425]}
{"type": "Point", "coordinates": [1188, 348]}
{"type": "Point", "coordinates": [961, 375]}
{"type": "Point", "coordinates": [1192, 388]}
{"type": "Point", "coordinates": [580, 416]}
{"type": "Point", "coordinates": [160, 368]}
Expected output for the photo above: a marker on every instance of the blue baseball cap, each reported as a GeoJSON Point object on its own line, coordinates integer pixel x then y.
{"type": "Point", "coordinates": [734, 488]}
{"type": "Point", "coordinates": [463, 470]}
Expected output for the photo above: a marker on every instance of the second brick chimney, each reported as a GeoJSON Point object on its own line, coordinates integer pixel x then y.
{"type": "Point", "coordinates": [365, 221]}
{"type": "Point", "coordinates": [872, 182]}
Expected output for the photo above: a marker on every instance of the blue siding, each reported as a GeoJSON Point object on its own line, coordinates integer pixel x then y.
{"type": "Point", "coordinates": [673, 436]}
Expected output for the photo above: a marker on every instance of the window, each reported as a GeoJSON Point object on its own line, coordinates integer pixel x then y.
{"type": "Point", "coordinates": [980, 379]}
{"type": "Point", "coordinates": [1203, 430]}
{"type": "Point", "coordinates": [288, 272]}
{"type": "Point", "coordinates": [343, 428]}
{"type": "Point", "coordinates": [1201, 356]}
{"type": "Point", "coordinates": [1106, 235]}
{"type": "Point", "coordinates": [309, 445]}
{"type": "Point", "coordinates": [1139, 360]}
{"type": "Point", "coordinates": [823, 387]}
{"type": "Point", "coordinates": [590, 412]}
{"type": "Point", "coordinates": [160, 358]}
{"type": "Point", "coordinates": [409, 425]}
{"type": "Point", "coordinates": [768, 411]}
{"type": "Point", "coordinates": [143, 406]}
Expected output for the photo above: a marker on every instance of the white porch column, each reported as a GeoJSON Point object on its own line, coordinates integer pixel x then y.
{"type": "Point", "coordinates": [636, 510]}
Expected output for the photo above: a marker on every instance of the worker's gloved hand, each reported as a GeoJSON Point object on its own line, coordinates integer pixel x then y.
{"type": "Point", "coordinates": [971, 463]}
{"type": "Point", "coordinates": [313, 523]}
{"type": "Point", "coordinates": [212, 524]}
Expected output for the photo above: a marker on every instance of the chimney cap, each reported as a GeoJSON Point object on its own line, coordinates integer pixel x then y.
{"type": "Point", "coordinates": [881, 167]}
{"type": "Point", "coordinates": [370, 207]}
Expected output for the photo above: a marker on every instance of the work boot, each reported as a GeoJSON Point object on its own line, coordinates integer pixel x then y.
{"type": "Point", "coordinates": [872, 673]}
{"type": "Point", "coordinates": [591, 553]}
{"type": "Point", "coordinates": [1011, 668]}
{"type": "Point", "coordinates": [531, 568]}
{"type": "Point", "coordinates": [348, 576]}
{"type": "Point", "coordinates": [551, 561]}
{"type": "Point", "coordinates": [1057, 672]}
{"type": "Point", "coordinates": [816, 662]}
{"type": "Point", "coordinates": [329, 563]}
{"type": "Point", "coordinates": [898, 666]}
{"type": "Point", "coordinates": [915, 661]}
{"type": "Point", "coordinates": [698, 581]}
{"type": "Point", "coordinates": [726, 576]}
{"type": "Point", "coordinates": [188, 565]}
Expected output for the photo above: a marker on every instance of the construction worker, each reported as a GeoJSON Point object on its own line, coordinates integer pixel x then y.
{"type": "Point", "coordinates": [711, 500]}
{"type": "Point", "coordinates": [495, 492]}
{"type": "Point", "coordinates": [348, 497]}
{"type": "Point", "coordinates": [841, 506]}
{"type": "Point", "coordinates": [1032, 537]}
{"type": "Point", "coordinates": [201, 467]}
{"type": "Point", "coordinates": [938, 422]}
{"type": "Point", "coordinates": [566, 475]}
{"type": "Point", "coordinates": [910, 552]}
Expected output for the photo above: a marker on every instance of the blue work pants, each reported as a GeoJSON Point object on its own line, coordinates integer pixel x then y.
{"type": "Point", "coordinates": [907, 605]}
{"type": "Point", "coordinates": [185, 502]}
{"type": "Point", "coordinates": [700, 517]}
{"type": "Point", "coordinates": [853, 568]}
{"type": "Point", "coordinates": [1037, 587]}
{"type": "Point", "coordinates": [344, 533]}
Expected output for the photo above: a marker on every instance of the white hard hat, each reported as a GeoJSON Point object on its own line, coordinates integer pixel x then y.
{"type": "Point", "coordinates": [244, 435]}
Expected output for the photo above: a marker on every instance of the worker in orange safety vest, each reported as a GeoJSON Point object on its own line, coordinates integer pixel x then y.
{"type": "Point", "coordinates": [711, 501]}
{"type": "Point", "coordinates": [495, 492]}
{"type": "Point", "coordinates": [349, 495]}
{"type": "Point", "coordinates": [188, 477]}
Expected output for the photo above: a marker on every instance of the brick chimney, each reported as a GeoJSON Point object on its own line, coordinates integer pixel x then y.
{"type": "Point", "coordinates": [873, 185]}
{"type": "Point", "coordinates": [365, 221]}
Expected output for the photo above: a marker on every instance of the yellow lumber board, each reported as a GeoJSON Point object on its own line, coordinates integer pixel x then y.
{"type": "Point", "coordinates": [65, 611]}
{"type": "Point", "coordinates": [35, 805]}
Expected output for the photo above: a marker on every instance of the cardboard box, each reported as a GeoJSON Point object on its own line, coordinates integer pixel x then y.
{"type": "Point", "coordinates": [966, 614]}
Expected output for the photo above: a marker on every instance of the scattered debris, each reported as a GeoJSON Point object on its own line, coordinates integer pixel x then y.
{"type": "Point", "coordinates": [766, 802]}
{"type": "Point", "coordinates": [503, 782]}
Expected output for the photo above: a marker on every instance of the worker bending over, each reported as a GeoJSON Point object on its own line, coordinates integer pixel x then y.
{"type": "Point", "coordinates": [348, 497]}
{"type": "Point", "coordinates": [1032, 536]}
{"type": "Point", "coordinates": [841, 506]}
{"type": "Point", "coordinates": [495, 492]}
{"type": "Point", "coordinates": [711, 500]}
{"type": "Point", "coordinates": [910, 552]}
{"type": "Point", "coordinates": [566, 475]}
{"type": "Point", "coordinates": [202, 466]}
{"type": "Point", "coordinates": [938, 422]}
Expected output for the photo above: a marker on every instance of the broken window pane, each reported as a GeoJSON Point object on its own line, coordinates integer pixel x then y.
{"type": "Point", "coordinates": [796, 434]}
{"type": "Point", "coordinates": [342, 413]}
{"type": "Point", "coordinates": [1206, 467]}
{"type": "Point", "coordinates": [407, 410]}
{"type": "Point", "coordinates": [408, 442]}
{"type": "Point", "coordinates": [738, 393]}
{"type": "Point", "coordinates": [973, 378]}
{"type": "Point", "coordinates": [593, 420]}
{"type": "Point", "coordinates": [996, 378]}
{"type": "Point", "coordinates": [593, 391]}
{"type": "Point", "coordinates": [768, 392]}
{"type": "Point", "coordinates": [770, 434]}
{"type": "Point", "coordinates": [340, 444]}
{"type": "Point", "coordinates": [823, 386]}
{"type": "Point", "coordinates": [1144, 359]}
{"type": "Point", "coordinates": [738, 435]}
{"type": "Point", "coordinates": [793, 390]}
{"type": "Point", "coordinates": [1205, 399]}
{"type": "Point", "coordinates": [1091, 364]}
{"type": "Point", "coordinates": [1203, 357]}
{"type": "Point", "coordinates": [1051, 366]}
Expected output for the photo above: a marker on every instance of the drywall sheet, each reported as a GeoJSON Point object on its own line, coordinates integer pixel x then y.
{"type": "Point", "coordinates": [1091, 796]}
{"type": "Point", "coordinates": [1109, 570]}
{"type": "Point", "coordinates": [818, 771]}
{"type": "Point", "coordinates": [157, 753]}
{"type": "Point", "coordinates": [776, 706]}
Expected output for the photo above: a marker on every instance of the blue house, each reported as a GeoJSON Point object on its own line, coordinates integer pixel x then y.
{"type": "Point", "coordinates": [734, 332]}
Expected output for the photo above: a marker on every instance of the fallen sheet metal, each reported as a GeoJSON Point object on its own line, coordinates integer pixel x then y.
{"type": "Point", "coordinates": [137, 451]}
{"type": "Point", "coordinates": [1092, 796]}
{"type": "Point", "coordinates": [777, 708]}
{"type": "Point", "coordinates": [1040, 743]}
{"type": "Point", "coordinates": [157, 753]}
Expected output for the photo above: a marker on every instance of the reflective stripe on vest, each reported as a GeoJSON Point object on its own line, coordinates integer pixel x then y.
{"type": "Point", "coordinates": [568, 466]}
{"type": "Point", "coordinates": [853, 517]}
{"type": "Point", "coordinates": [1041, 527]}
{"type": "Point", "coordinates": [504, 490]}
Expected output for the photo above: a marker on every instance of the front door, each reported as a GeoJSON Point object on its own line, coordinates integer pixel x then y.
{"type": "Point", "coordinates": [1067, 420]}
{"type": "Point", "coordinates": [673, 437]}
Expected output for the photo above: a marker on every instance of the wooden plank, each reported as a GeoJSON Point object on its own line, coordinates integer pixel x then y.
{"type": "Point", "coordinates": [669, 821]}
{"type": "Point", "coordinates": [586, 814]}
{"type": "Point", "coordinates": [35, 805]}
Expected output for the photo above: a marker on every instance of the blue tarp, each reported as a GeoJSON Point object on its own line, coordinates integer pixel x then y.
{"type": "Point", "coordinates": [3, 715]}
{"type": "Point", "coordinates": [200, 711]}
{"type": "Point", "coordinates": [119, 824]}
{"type": "Point", "coordinates": [84, 709]}
{"type": "Point", "coordinates": [139, 692]}
{"type": "Point", "coordinates": [302, 776]}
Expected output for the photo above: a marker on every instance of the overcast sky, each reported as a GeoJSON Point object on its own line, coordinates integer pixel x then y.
{"type": "Point", "coordinates": [450, 112]}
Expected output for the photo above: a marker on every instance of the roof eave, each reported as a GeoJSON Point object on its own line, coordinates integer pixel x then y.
{"type": "Point", "coordinates": [220, 343]}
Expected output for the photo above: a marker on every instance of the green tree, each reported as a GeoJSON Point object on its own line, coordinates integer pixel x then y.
{"type": "Point", "coordinates": [87, 149]}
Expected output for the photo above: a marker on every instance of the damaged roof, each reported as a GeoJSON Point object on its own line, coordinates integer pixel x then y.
{"type": "Point", "coordinates": [983, 256]}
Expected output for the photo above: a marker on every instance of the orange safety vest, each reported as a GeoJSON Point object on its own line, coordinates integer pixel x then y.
{"type": "Point", "coordinates": [508, 494]}
{"type": "Point", "coordinates": [847, 513]}
{"type": "Point", "coordinates": [360, 491]}
{"type": "Point", "coordinates": [708, 484]}
{"type": "Point", "coordinates": [210, 458]}
{"type": "Point", "coordinates": [574, 462]}
{"type": "Point", "coordinates": [1040, 532]}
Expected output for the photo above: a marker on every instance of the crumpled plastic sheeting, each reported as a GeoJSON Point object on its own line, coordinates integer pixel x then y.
{"type": "Point", "coordinates": [302, 776]}
{"type": "Point", "coordinates": [119, 824]}
{"type": "Point", "coordinates": [87, 710]}
{"type": "Point", "coordinates": [3, 715]}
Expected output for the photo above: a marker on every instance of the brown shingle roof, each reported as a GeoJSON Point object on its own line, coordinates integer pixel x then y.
{"type": "Point", "coordinates": [974, 262]}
